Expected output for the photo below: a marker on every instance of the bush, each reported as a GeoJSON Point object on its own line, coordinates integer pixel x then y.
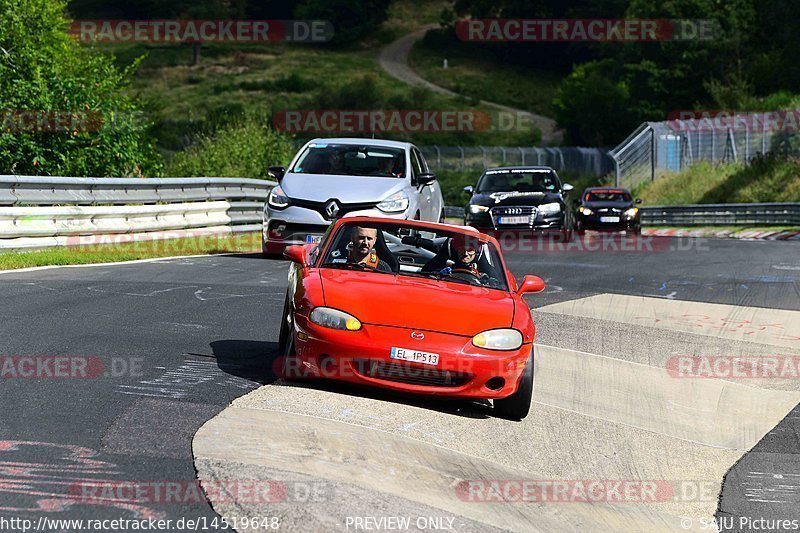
{"type": "Point", "coordinates": [43, 70]}
{"type": "Point", "coordinates": [244, 148]}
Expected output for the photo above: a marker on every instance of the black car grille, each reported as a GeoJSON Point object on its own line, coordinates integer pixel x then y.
{"type": "Point", "coordinates": [319, 207]}
{"type": "Point", "coordinates": [513, 211]}
{"type": "Point", "coordinates": [411, 375]}
{"type": "Point", "coordinates": [613, 210]}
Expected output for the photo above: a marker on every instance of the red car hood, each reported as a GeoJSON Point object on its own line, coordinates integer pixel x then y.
{"type": "Point", "coordinates": [417, 303]}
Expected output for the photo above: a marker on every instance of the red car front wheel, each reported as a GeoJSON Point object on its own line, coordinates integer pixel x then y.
{"type": "Point", "coordinates": [518, 405]}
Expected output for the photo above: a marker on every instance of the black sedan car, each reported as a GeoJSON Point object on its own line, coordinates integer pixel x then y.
{"type": "Point", "coordinates": [610, 209]}
{"type": "Point", "coordinates": [525, 198]}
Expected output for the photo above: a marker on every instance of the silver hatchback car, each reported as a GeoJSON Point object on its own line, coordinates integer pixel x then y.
{"type": "Point", "coordinates": [331, 178]}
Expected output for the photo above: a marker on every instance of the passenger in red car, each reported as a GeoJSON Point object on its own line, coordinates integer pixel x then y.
{"type": "Point", "coordinates": [461, 252]}
{"type": "Point", "coordinates": [362, 249]}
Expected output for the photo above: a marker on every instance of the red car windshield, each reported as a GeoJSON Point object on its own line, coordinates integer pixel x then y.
{"type": "Point", "coordinates": [407, 251]}
{"type": "Point", "coordinates": [607, 196]}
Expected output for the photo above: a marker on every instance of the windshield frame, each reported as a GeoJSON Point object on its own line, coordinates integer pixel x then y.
{"type": "Point", "coordinates": [505, 278]}
{"type": "Point", "coordinates": [627, 197]}
{"type": "Point", "coordinates": [399, 154]}
{"type": "Point", "coordinates": [489, 174]}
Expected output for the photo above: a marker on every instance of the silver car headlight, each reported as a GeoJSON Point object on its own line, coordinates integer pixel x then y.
{"type": "Point", "coordinates": [552, 208]}
{"type": "Point", "coordinates": [585, 210]}
{"type": "Point", "coordinates": [396, 203]}
{"type": "Point", "coordinates": [631, 213]}
{"type": "Point", "coordinates": [475, 209]}
{"type": "Point", "coordinates": [498, 339]}
{"type": "Point", "coordinates": [277, 198]}
{"type": "Point", "coordinates": [328, 317]}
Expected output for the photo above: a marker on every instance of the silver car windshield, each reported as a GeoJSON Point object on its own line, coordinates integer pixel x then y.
{"type": "Point", "coordinates": [351, 160]}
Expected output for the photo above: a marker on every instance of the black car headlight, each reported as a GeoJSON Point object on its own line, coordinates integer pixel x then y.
{"type": "Point", "coordinates": [553, 208]}
{"type": "Point", "coordinates": [476, 209]}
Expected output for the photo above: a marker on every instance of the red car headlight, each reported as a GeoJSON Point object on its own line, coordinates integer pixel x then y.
{"type": "Point", "coordinates": [498, 339]}
{"type": "Point", "coordinates": [328, 317]}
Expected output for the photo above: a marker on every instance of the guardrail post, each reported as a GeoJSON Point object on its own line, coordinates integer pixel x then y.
{"type": "Point", "coordinates": [522, 154]}
{"type": "Point", "coordinates": [713, 144]}
{"type": "Point", "coordinates": [503, 151]}
{"type": "Point", "coordinates": [732, 143]}
{"type": "Point", "coordinates": [652, 153]}
{"type": "Point", "coordinates": [483, 155]}
{"type": "Point", "coordinates": [438, 156]}
{"type": "Point", "coordinates": [616, 172]}
{"type": "Point", "coordinates": [463, 164]}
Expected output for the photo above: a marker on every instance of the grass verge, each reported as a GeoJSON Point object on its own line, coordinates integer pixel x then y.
{"type": "Point", "coordinates": [770, 178]}
{"type": "Point", "coordinates": [129, 251]}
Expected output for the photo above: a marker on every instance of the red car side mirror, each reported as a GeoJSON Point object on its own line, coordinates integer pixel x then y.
{"type": "Point", "coordinates": [531, 284]}
{"type": "Point", "coordinates": [296, 254]}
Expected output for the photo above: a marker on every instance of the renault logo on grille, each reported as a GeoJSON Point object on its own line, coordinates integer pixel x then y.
{"type": "Point", "coordinates": [417, 335]}
{"type": "Point", "coordinates": [332, 208]}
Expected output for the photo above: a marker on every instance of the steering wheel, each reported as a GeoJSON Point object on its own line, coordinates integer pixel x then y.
{"type": "Point", "coordinates": [467, 275]}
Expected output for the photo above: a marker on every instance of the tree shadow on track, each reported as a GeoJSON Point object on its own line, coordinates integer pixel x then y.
{"type": "Point", "coordinates": [248, 359]}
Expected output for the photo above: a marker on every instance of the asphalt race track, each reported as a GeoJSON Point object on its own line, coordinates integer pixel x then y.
{"type": "Point", "coordinates": [171, 343]}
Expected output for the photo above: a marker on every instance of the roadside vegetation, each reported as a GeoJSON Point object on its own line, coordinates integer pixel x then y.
{"type": "Point", "coordinates": [479, 75]}
{"type": "Point", "coordinates": [770, 178]}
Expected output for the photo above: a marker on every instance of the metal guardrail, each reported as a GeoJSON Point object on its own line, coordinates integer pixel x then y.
{"type": "Point", "coordinates": [767, 214]}
{"type": "Point", "coordinates": [38, 211]}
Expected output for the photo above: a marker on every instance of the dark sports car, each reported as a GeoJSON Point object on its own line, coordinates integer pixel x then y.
{"type": "Point", "coordinates": [525, 198]}
{"type": "Point", "coordinates": [604, 208]}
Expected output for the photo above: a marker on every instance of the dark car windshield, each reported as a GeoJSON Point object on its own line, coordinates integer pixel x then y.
{"type": "Point", "coordinates": [607, 196]}
{"type": "Point", "coordinates": [389, 249]}
{"type": "Point", "coordinates": [522, 180]}
{"type": "Point", "coordinates": [351, 160]}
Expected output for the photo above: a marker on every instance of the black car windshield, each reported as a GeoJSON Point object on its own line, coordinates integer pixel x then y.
{"type": "Point", "coordinates": [392, 249]}
{"type": "Point", "coordinates": [351, 160]}
{"type": "Point", "coordinates": [521, 180]}
{"type": "Point", "coordinates": [607, 196]}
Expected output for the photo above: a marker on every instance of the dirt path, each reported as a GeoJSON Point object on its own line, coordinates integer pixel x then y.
{"type": "Point", "coordinates": [394, 60]}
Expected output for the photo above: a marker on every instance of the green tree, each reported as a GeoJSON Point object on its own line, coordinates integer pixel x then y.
{"type": "Point", "coordinates": [43, 69]}
{"type": "Point", "coordinates": [592, 106]}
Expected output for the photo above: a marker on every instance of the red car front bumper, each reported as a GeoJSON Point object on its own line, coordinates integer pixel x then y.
{"type": "Point", "coordinates": [363, 357]}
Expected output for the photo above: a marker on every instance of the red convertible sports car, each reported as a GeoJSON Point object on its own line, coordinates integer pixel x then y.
{"type": "Point", "coordinates": [412, 306]}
